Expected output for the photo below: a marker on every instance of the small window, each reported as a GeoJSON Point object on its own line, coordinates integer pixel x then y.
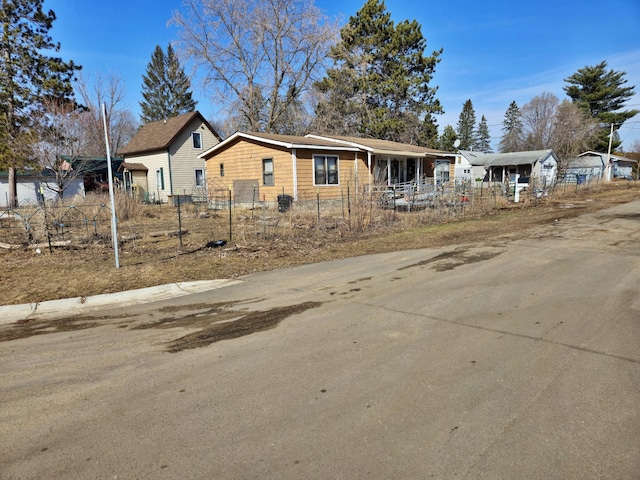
{"type": "Point", "coordinates": [197, 140]}
{"type": "Point", "coordinates": [199, 177]}
{"type": "Point", "coordinates": [160, 178]}
{"type": "Point", "coordinates": [222, 169]}
{"type": "Point", "coordinates": [267, 172]}
{"type": "Point", "coordinates": [325, 170]}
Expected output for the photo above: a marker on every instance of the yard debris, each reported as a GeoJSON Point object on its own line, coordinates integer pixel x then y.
{"type": "Point", "coordinates": [168, 233]}
{"type": "Point", "coordinates": [216, 244]}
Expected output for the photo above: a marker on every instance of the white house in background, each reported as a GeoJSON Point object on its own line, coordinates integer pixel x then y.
{"type": "Point", "coordinates": [585, 167]}
{"type": "Point", "coordinates": [162, 160]}
{"type": "Point", "coordinates": [621, 167]}
{"type": "Point", "coordinates": [541, 165]}
{"type": "Point", "coordinates": [31, 187]}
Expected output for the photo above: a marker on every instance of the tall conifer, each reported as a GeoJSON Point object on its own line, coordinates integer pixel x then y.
{"type": "Point", "coordinates": [166, 89]}
{"type": "Point", "coordinates": [602, 94]}
{"type": "Point", "coordinates": [467, 127]}
{"type": "Point", "coordinates": [28, 74]}
{"type": "Point", "coordinates": [512, 130]}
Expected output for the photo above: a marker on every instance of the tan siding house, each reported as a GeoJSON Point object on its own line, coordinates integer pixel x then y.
{"type": "Point", "coordinates": [260, 166]}
{"type": "Point", "coordinates": [169, 150]}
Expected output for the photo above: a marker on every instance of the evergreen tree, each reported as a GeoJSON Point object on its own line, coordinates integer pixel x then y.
{"type": "Point", "coordinates": [165, 88]}
{"type": "Point", "coordinates": [379, 84]}
{"type": "Point", "coordinates": [27, 76]}
{"type": "Point", "coordinates": [467, 127]}
{"type": "Point", "coordinates": [447, 139]}
{"type": "Point", "coordinates": [602, 94]}
{"type": "Point", "coordinates": [483, 143]}
{"type": "Point", "coordinates": [512, 128]}
{"type": "Point", "coordinates": [429, 133]}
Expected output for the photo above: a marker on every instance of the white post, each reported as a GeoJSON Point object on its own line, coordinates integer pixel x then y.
{"type": "Point", "coordinates": [114, 230]}
{"type": "Point", "coordinates": [608, 165]}
{"type": "Point", "coordinates": [516, 192]}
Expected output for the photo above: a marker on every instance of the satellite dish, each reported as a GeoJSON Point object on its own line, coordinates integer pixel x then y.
{"type": "Point", "coordinates": [456, 143]}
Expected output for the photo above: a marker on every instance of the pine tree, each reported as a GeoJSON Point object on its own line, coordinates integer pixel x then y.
{"type": "Point", "coordinates": [165, 88]}
{"type": "Point", "coordinates": [27, 75]}
{"type": "Point", "coordinates": [447, 139]}
{"type": "Point", "coordinates": [379, 84]}
{"type": "Point", "coordinates": [512, 128]}
{"type": "Point", "coordinates": [467, 127]}
{"type": "Point", "coordinates": [602, 94]}
{"type": "Point", "coordinates": [483, 143]}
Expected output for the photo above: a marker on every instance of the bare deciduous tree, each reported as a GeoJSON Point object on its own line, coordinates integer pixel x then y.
{"type": "Point", "coordinates": [560, 126]}
{"type": "Point", "coordinates": [60, 144]}
{"type": "Point", "coordinates": [259, 56]}
{"type": "Point", "coordinates": [538, 118]}
{"type": "Point", "coordinates": [122, 123]}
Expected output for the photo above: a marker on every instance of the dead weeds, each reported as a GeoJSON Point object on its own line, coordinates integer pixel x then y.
{"type": "Point", "coordinates": [28, 277]}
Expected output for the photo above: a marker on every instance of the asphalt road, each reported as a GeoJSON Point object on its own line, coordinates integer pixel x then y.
{"type": "Point", "coordinates": [514, 359]}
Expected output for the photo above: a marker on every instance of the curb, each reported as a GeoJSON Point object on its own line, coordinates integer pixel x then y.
{"type": "Point", "coordinates": [73, 306]}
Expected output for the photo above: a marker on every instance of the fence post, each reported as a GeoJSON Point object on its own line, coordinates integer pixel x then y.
{"type": "Point", "coordinates": [230, 223]}
{"type": "Point", "coordinates": [318, 204]}
{"type": "Point", "coordinates": [179, 221]}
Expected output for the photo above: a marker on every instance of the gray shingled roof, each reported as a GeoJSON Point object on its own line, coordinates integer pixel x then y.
{"type": "Point", "coordinates": [158, 135]}
{"type": "Point", "coordinates": [506, 159]}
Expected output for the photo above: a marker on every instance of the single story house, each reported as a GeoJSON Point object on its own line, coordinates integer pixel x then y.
{"type": "Point", "coordinates": [95, 172]}
{"type": "Point", "coordinates": [501, 167]}
{"type": "Point", "coordinates": [31, 187]}
{"type": "Point", "coordinates": [163, 159]}
{"type": "Point", "coordinates": [620, 167]}
{"type": "Point", "coordinates": [261, 166]}
{"type": "Point", "coordinates": [583, 168]}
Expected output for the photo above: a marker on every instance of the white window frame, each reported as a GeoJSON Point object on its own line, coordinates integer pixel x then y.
{"type": "Point", "coordinates": [201, 177]}
{"type": "Point", "coordinates": [326, 171]}
{"type": "Point", "coordinates": [197, 135]}
{"type": "Point", "coordinates": [266, 174]}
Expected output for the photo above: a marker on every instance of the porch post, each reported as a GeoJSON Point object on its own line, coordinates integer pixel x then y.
{"type": "Point", "coordinates": [294, 160]}
{"type": "Point", "coordinates": [388, 171]}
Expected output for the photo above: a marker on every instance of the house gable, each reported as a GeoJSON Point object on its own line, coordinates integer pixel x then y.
{"type": "Point", "coordinates": [168, 151]}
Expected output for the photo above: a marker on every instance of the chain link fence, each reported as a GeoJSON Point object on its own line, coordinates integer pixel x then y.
{"type": "Point", "coordinates": [244, 218]}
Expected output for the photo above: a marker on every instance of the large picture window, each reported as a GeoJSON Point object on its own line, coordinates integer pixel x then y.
{"type": "Point", "coordinates": [267, 172]}
{"type": "Point", "coordinates": [325, 170]}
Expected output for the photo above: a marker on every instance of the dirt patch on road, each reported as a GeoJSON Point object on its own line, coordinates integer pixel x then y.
{"type": "Point", "coordinates": [213, 323]}
{"type": "Point", "coordinates": [31, 327]}
{"type": "Point", "coordinates": [450, 260]}
{"type": "Point", "coordinates": [243, 324]}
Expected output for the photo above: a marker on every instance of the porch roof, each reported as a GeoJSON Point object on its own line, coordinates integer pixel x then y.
{"type": "Point", "coordinates": [383, 147]}
{"type": "Point", "coordinates": [132, 167]}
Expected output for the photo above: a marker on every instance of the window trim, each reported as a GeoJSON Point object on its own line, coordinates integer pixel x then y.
{"type": "Point", "coordinates": [160, 176]}
{"type": "Point", "coordinates": [266, 161]}
{"type": "Point", "coordinates": [197, 135]}
{"type": "Point", "coordinates": [326, 171]}
{"type": "Point", "coordinates": [195, 173]}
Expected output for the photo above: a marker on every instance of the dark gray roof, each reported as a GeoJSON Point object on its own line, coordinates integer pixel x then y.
{"type": "Point", "coordinates": [507, 159]}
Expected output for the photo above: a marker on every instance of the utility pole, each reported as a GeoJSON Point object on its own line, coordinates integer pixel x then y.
{"type": "Point", "coordinates": [607, 167]}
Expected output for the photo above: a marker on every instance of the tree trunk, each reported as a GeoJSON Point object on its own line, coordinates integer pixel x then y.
{"type": "Point", "coordinates": [12, 201]}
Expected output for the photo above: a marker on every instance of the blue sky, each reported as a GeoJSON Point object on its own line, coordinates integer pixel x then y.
{"type": "Point", "coordinates": [495, 51]}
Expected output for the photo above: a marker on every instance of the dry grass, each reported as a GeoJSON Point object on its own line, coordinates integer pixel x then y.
{"type": "Point", "coordinates": [264, 240]}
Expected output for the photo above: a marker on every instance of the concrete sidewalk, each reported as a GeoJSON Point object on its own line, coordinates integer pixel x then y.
{"type": "Point", "coordinates": [78, 305]}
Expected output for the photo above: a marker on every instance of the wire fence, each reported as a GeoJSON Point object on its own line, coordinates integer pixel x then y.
{"type": "Point", "coordinates": [220, 219]}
